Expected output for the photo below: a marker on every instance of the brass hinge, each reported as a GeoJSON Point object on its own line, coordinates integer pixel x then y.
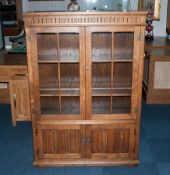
{"type": "Point", "coordinates": [30, 37]}
{"type": "Point", "coordinates": [139, 36]}
{"type": "Point", "coordinates": [83, 141]}
{"type": "Point", "coordinates": [136, 110]}
{"type": "Point", "coordinates": [33, 111]}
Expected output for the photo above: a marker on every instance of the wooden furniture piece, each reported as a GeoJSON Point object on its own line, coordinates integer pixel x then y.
{"type": "Point", "coordinates": [14, 87]}
{"type": "Point", "coordinates": [156, 80]}
{"type": "Point", "coordinates": [168, 19]}
{"type": "Point", "coordinates": [85, 74]}
{"type": "Point", "coordinates": [12, 18]}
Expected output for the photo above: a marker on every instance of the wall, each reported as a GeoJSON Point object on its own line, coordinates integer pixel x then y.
{"type": "Point", "coordinates": [159, 26]}
{"type": "Point", "coordinates": [62, 5]}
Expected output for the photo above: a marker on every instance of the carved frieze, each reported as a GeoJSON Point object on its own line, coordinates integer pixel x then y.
{"type": "Point", "coordinates": [79, 20]}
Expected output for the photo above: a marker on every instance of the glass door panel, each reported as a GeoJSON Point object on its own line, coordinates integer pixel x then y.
{"type": "Point", "coordinates": [121, 104]}
{"type": "Point", "coordinates": [70, 105]}
{"type": "Point", "coordinates": [112, 67]}
{"type": "Point", "coordinates": [102, 47]}
{"type": "Point", "coordinates": [48, 76]}
{"type": "Point", "coordinates": [101, 105]}
{"type": "Point", "coordinates": [69, 47]}
{"type": "Point", "coordinates": [101, 75]}
{"type": "Point", "coordinates": [122, 75]}
{"type": "Point", "coordinates": [69, 75]}
{"type": "Point", "coordinates": [123, 46]}
{"type": "Point", "coordinates": [47, 47]}
{"type": "Point", "coordinates": [59, 73]}
{"type": "Point", "coordinates": [50, 105]}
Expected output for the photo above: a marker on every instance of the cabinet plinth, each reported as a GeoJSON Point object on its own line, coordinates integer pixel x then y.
{"type": "Point", "coordinates": [85, 86]}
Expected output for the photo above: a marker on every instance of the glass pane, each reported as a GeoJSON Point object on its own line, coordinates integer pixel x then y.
{"type": "Point", "coordinates": [101, 105]}
{"type": "Point", "coordinates": [101, 75]}
{"type": "Point", "coordinates": [69, 47]}
{"type": "Point", "coordinates": [59, 73]}
{"type": "Point", "coordinates": [101, 92]}
{"type": "Point", "coordinates": [70, 105]}
{"type": "Point", "coordinates": [121, 92]}
{"type": "Point", "coordinates": [47, 46]}
{"type": "Point", "coordinates": [70, 92]}
{"type": "Point", "coordinates": [122, 75]}
{"type": "Point", "coordinates": [123, 45]}
{"type": "Point", "coordinates": [121, 105]}
{"type": "Point", "coordinates": [49, 92]}
{"type": "Point", "coordinates": [48, 75]}
{"type": "Point", "coordinates": [102, 46]}
{"type": "Point", "coordinates": [49, 105]}
{"type": "Point", "coordinates": [69, 75]}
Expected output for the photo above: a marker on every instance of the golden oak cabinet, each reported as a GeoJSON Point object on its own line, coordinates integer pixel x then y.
{"type": "Point", "coordinates": [85, 75]}
{"type": "Point", "coordinates": [19, 99]}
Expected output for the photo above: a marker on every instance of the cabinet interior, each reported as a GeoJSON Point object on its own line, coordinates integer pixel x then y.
{"type": "Point", "coordinates": [111, 72]}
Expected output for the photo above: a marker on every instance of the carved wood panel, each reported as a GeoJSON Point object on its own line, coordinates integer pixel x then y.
{"type": "Point", "coordinates": [60, 142]}
{"type": "Point", "coordinates": [112, 141]}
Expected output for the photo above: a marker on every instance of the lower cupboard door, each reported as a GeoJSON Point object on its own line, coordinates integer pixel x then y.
{"type": "Point", "coordinates": [113, 141]}
{"type": "Point", "coordinates": [60, 142]}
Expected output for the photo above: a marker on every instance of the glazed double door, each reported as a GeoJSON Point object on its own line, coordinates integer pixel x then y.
{"type": "Point", "coordinates": [84, 91]}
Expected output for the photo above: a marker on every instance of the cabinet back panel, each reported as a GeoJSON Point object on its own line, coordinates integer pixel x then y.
{"type": "Point", "coordinates": [69, 47]}
{"type": "Point", "coordinates": [122, 74]}
{"type": "Point", "coordinates": [101, 75]}
{"type": "Point", "coordinates": [47, 45]}
{"type": "Point", "coordinates": [101, 46]}
{"type": "Point", "coordinates": [48, 75]}
{"type": "Point", "coordinates": [123, 45]}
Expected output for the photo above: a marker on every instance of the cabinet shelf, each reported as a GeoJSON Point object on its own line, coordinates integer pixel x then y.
{"type": "Point", "coordinates": [114, 61]}
{"type": "Point", "coordinates": [111, 92]}
{"type": "Point", "coordinates": [44, 93]}
{"type": "Point", "coordinates": [123, 60]}
{"type": "Point", "coordinates": [49, 59]}
{"type": "Point", "coordinates": [116, 87]}
{"type": "Point", "coordinates": [121, 110]}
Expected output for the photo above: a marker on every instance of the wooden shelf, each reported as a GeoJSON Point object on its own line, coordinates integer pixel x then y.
{"type": "Point", "coordinates": [61, 92]}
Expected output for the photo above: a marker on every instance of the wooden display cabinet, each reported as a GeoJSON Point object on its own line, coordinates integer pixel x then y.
{"type": "Point", "coordinates": [85, 86]}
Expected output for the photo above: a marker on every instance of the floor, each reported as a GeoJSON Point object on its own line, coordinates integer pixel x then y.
{"type": "Point", "coordinates": [16, 152]}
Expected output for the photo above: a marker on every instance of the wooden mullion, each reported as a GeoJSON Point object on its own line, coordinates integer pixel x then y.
{"type": "Point", "coordinates": [59, 77]}
{"type": "Point", "coordinates": [82, 73]}
{"type": "Point", "coordinates": [112, 64]}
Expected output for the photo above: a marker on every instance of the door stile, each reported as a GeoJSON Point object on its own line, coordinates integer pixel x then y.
{"type": "Point", "coordinates": [134, 102]}
{"type": "Point", "coordinates": [82, 73]}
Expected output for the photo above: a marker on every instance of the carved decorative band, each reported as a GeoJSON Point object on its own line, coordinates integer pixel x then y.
{"type": "Point", "coordinates": [81, 20]}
